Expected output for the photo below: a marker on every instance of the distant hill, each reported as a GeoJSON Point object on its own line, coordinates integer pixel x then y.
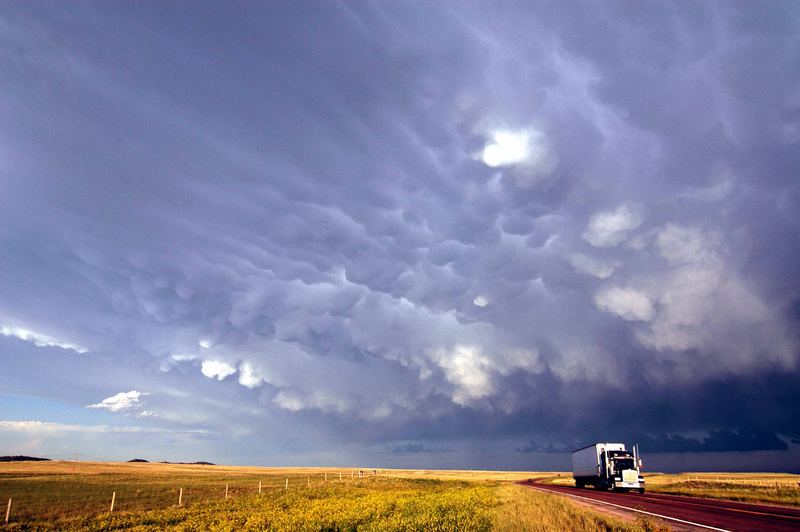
{"type": "Point", "coordinates": [187, 463]}
{"type": "Point", "coordinates": [143, 461]}
{"type": "Point", "coordinates": [21, 458]}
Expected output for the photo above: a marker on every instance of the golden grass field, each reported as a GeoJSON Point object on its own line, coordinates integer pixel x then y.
{"type": "Point", "coordinates": [77, 496]}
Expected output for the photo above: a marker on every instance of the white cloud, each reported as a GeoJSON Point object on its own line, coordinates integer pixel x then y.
{"type": "Point", "coordinates": [590, 266]}
{"type": "Point", "coordinates": [506, 148]}
{"type": "Point", "coordinates": [480, 301]}
{"type": "Point", "coordinates": [182, 357]}
{"type": "Point", "coordinates": [627, 303]}
{"type": "Point", "coordinates": [289, 401]}
{"type": "Point", "coordinates": [527, 151]}
{"type": "Point", "coordinates": [121, 402]}
{"type": "Point", "coordinates": [39, 339]}
{"type": "Point", "coordinates": [45, 427]}
{"type": "Point", "coordinates": [217, 369]}
{"type": "Point", "coordinates": [248, 376]}
{"type": "Point", "coordinates": [468, 369]}
{"type": "Point", "coordinates": [705, 306]}
{"type": "Point", "coordinates": [294, 402]}
{"type": "Point", "coordinates": [682, 245]}
{"type": "Point", "coordinates": [610, 228]}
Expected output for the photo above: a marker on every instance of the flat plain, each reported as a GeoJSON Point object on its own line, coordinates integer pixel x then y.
{"type": "Point", "coordinates": [78, 495]}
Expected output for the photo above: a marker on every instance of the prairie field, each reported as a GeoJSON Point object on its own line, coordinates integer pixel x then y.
{"type": "Point", "coordinates": [771, 488]}
{"type": "Point", "coordinates": [77, 496]}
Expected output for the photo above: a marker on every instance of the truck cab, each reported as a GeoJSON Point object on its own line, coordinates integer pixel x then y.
{"type": "Point", "coordinates": [623, 471]}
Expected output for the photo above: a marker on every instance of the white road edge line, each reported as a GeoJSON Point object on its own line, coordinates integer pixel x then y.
{"type": "Point", "coordinates": [632, 509]}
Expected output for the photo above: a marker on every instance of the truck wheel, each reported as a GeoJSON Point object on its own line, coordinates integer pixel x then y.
{"type": "Point", "coordinates": [579, 484]}
{"type": "Point", "coordinates": [641, 490]}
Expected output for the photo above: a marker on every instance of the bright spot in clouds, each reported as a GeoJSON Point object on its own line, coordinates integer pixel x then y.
{"type": "Point", "coordinates": [507, 148]}
{"type": "Point", "coordinates": [480, 301]}
{"type": "Point", "coordinates": [216, 369]}
{"type": "Point", "coordinates": [527, 152]}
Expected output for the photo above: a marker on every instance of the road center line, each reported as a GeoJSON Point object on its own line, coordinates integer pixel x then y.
{"type": "Point", "coordinates": [632, 509]}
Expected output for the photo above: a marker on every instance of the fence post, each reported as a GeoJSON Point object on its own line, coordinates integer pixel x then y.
{"type": "Point", "coordinates": [287, 484]}
{"type": "Point", "coordinates": [259, 487]}
{"type": "Point", "coordinates": [308, 481]}
{"type": "Point", "coordinates": [8, 510]}
{"type": "Point", "coordinates": [113, 498]}
{"type": "Point", "coordinates": [226, 491]}
{"type": "Point", "coordinates": [180, 497]}
{"type": "Point", "coordinates": [326, 477]}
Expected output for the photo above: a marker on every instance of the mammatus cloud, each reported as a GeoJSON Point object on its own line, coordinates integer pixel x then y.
{"type": "Point", "coordinates": [468, 233]}
{"type": "Point", "coordinates": [610, 228]}
{"type": "Point", "coordinates": [627, 303]}
{"type": "Point", "coordinates": [590, 266]}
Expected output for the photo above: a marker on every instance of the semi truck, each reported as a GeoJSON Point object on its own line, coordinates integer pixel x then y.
{"type": "Point", "coordinates": [608, 466]}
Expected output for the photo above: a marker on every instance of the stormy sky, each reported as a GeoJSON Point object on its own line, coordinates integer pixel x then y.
{"type": "Point", "coordinates": [406, 234]}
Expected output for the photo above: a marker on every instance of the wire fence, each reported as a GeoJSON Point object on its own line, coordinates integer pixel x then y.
{"type": "Point", "coordinates": [25, 499]}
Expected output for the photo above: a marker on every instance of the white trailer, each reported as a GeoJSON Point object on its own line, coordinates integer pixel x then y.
{"type": "Point", "coordinates": [607, 466]}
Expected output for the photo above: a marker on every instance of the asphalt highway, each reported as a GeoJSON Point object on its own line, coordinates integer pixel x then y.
{"type": "Point", "coordinates": [691, 512]}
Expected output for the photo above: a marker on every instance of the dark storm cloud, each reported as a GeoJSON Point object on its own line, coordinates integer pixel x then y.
{"type": "Point", "coordinates": [374, 224]}
{"type": "Point", "coordinates": [535, 447]}
{"type": "Point", "coordinates": [716, 441]}
{"type": "Point", "coordinates": [415, 448]}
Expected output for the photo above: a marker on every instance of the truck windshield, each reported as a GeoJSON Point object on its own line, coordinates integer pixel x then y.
{"type": "Point", "coordinates": [621, 464]}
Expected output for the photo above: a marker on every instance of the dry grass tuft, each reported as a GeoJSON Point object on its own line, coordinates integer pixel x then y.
{"type": "Point", "coordinates": [773, 488]}
{"type": "Point", "coordinates": [523, 509]}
